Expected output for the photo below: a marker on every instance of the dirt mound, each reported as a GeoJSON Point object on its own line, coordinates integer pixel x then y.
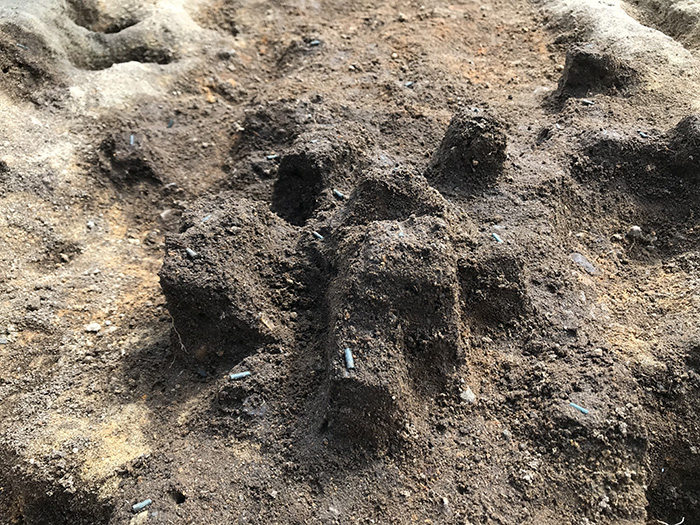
{"type": "Point", "coordinates": [348, 262]}
{"type": "Point", "coordinates": [471, 155]}
{"type": "Point", "coordinates": [589, 71]}
{"type": "Point", "coordinates": [680, 20]}
{"type": "Point", "coordinates": [391, 198]}
{"type": "Point", "coordinates": [26, 68]}
{"type": "Point", "coordinates": [223, 277]}
{"type": "Point", "coordinates": [394, 305]}
{"type": "Point", "coordinates": [648, 179]}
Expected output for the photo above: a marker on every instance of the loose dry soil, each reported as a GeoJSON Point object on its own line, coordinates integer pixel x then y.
{"type": "Point", "coordinates": [493, 205]}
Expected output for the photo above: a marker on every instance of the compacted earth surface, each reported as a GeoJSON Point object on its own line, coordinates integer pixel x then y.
{"type": "Point", "coordinates": [318, 261]}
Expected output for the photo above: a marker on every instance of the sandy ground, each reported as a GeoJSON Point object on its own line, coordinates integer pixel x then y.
{"type": "Point", "coordinates": [492, 205]}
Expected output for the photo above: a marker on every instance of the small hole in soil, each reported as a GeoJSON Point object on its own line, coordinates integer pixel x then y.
{"type": "Point", "coordinates": [178, 497]}
{"type": "Point", "coordinates": [92, 19]}
{"type": "Point", "coordinates": [119, 25]}
{"type": "Point", "coordinates": [296, 190]}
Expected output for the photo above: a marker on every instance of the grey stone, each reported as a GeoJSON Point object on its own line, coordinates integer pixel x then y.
{"type": "Point", "coordinates": [468, 396]}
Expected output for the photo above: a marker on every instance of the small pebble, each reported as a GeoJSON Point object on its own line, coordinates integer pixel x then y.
{"type": "Point", "coordinates": [191, 253]}
{"type": "Point", "coordinates": [587, 102]}
{"type": "Point", "coordinates": [3, 340]}
{"type": "Point", "coordinates": [584, 263]}
{"type": "Point", "coordinates": [635, 232]}
{"type": "Point", "coordinates": [93, 327]}
{"type": "Point", "coordinates": [225, 54]}
{"type": "Point", "coordinates": [317, 235]}
{"type": "Point", "coordinates": [315, 43]}
{"type": "Point", "coordinates": [90, 225]}
{"type": "Point", "coordinates": [468, 396]}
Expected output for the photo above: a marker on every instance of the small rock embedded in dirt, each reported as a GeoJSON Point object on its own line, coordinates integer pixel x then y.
{"type": "Point", "coordinates": [3, 340]}
{"type": "Point", "coordinates": [468, 396]}
{"type": "Point", "coordinates": [584, 263]}
{"type": "Point", "coordinates": [445, 504]}
{"type": "Point", "coordinates": [139, 519]}
{"type": "Point", "coordinates": [93, 327]}
{"type": "Point", "coordinates": [226, 54]}
{"type": "Point", "coordinates": [33, 304]}
{"type": "Point", "coordinates": [635, 233]}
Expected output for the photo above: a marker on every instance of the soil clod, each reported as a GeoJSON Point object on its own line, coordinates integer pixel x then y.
{"type": "Point", "coordinates": [471, 155]}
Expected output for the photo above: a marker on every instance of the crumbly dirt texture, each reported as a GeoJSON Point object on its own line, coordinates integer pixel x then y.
{"type": "Point", "coordinates": [349, 262]}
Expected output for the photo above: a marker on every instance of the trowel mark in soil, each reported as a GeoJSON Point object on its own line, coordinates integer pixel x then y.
{"type": "Point", "coordinates": [126, 160]}
{"type": "Point", "coordinates": [674, 456]}
{"type": "Point", "coordinates": [220, 14]}
{"type": "Point", "coordinates": [267, 128]}
{"type": "Point", "coordinates": [493, 291]}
